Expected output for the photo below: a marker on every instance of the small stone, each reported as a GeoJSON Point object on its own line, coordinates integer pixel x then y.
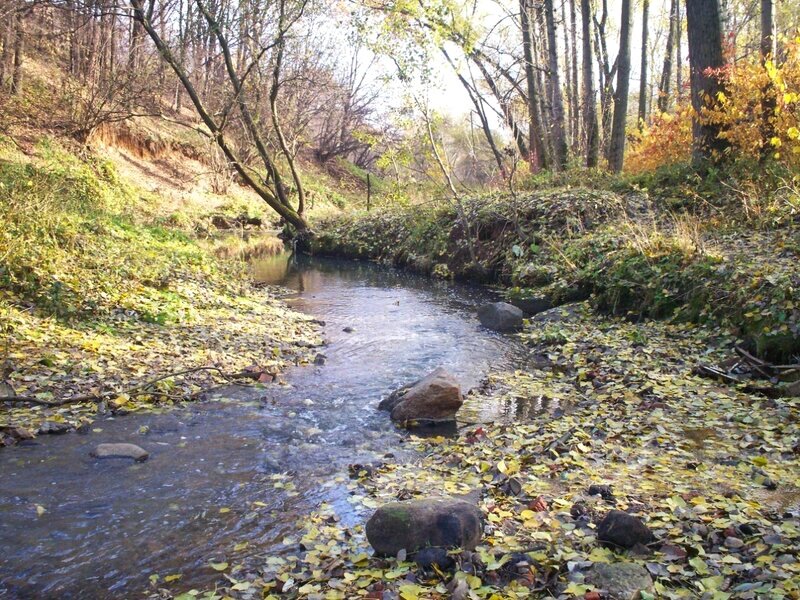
{"type": "Point", "coordinates": [320, 359]}
{"type": "Point", "coordinates": [120, 451]}
{"type": "Point", "coordinates": [54, 428]}
{"type": "Point", "coordinates": [620, 581]}
{"type": "Point", "coordinates": [428, 557]}
{"type": "Point", "coordinates": [733, 542]}
{"type": "Point", "coordinates": [348, 330]}
{"type": "Point", "coordinates": [604, 491]}
{"type": "Point", "coordinates": [622, 530]}
{"type": "Point", "coordinates": [579, 510]}
{"type": "Point", "coordinates": [748, 529]}
{"type": "Point", "coordinates": [516, 563]}
{"type": "Point", "coordinates": [21, 433]}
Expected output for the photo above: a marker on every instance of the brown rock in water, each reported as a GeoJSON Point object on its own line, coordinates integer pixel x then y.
{"type": "Point", "coordinates": [432, 522]}
{"type": "Point", "coordinates": [436, 397]}
{"type": "Point", "coordinates": [621, 530]}
{"type": "Point", "coordinates": [121, 451]}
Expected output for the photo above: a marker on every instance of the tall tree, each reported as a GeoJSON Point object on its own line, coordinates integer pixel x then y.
{"type": "Point", "coordinates": [589, 100]}
{"type": "Point", "coordinates": [704, 29]}
{"type": "Point", "coordinates": [478, 103]}
{"type": "Point", "coordinates": [769, 100]}
{"type": "Point", "coordinates": [556, 101]}
{"type": "Point", "coordinates": [19, 46]}
{"type": "Point", "coordinates": [616, 155]}
{"type": "Point", "coordinates": [666, 72]}
{"type": "Point", "coordinates": [537, 157]}
{"type": "Point", "coordinates": [575, 97]}
{"type": "Point", "coordinates": [643, 67]}
{"type": "Point", "coordinates": [270, 188]}
{"type": "Point", "coordinates": [607, 72]}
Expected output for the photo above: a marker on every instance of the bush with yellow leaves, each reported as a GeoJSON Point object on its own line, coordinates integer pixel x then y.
{"type": "Point", "coordinates": [758, 114]}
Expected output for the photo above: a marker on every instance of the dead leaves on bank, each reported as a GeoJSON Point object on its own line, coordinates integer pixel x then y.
{"type": "Point", "coordinates": [713, 471]}
{"type": "Point", "coordinates": [227, 331]}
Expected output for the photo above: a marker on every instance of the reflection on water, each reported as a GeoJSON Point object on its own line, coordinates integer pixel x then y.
{"type": "Point", "coordinates": [211, 480]}
{"type": "Point", "coordinates": [272, 269]}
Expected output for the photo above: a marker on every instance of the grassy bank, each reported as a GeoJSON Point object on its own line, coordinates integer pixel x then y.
{"type": "Point", "coordinates": [634, 254]}
{"type": "Point", "coordinates": [105, 286]}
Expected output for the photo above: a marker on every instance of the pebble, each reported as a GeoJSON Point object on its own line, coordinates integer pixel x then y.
{"type": "Point", "coordinates": [733, 542]}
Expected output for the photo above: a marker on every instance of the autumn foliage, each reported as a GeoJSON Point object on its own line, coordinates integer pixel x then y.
{"type": "Point", "coordinates": [758, 114]}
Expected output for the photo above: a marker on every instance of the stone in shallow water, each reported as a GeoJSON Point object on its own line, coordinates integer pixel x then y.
{"type": "Point", "coordinates": [436, 397]}
{"type": "Point", "coordinates": [120, 451]}
{"type": "Point", "coordinates": [500, 316]}
{"type": "Point", "coordinates": [432, 522]}
{"type": "Point", "coordinates": [54, 427]}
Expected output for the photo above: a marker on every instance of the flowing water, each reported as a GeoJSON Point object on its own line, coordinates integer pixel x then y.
{"type": "Point", "coordinates": [108, 526]}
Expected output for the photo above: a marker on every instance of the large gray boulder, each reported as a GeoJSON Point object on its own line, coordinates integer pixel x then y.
{"type": "Point", "coordinates": [120, 451]}
{"type": "Point", "coordinates": [500, 316]}
{"type": "Point", "coordinates": [620, 581]}
{"type": "Point", "coordinates": [432, 522]}
{"type": "Point", "coordinates": [434, 398]}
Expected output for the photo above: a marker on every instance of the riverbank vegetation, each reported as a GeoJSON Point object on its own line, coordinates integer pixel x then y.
{"type": "Point", "coordinates": [105, 294]}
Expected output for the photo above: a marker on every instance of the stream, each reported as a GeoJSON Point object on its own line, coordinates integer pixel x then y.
{"type": "Point", "coordinates": [107, 526]}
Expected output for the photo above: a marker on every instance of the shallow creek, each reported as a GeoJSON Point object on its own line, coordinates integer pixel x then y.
{"type": "Point", "coordinates": [108, 526]}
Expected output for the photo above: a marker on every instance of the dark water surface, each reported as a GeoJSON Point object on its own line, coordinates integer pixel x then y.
{"type": "Point", "coordinates": [109, 525]}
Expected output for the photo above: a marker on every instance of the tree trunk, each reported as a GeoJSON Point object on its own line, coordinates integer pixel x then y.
{"type": "Point", "coordinates": [589, 100]}
{"type": "Point", "coordinates": [575, 99]}
{"type": "Point", "coordinates": [280, 43]}
{"type": "Point", "coordinates": [678, 54]}
{"type": "Point", "coordinates": [5, 57]}
{"type": "Point", "coordinates": [769, 100]}
{"type": "Point", "coordinates": [704, 30]}
{"type": "Point", "coordinates": [666, 72]}
{"type": "Point", "coordinates": [606, 78]}
{"type": "Point", "coordinates": [269, 196]}
{"type": "Point", "coordinates": [556, 101]}
{"type": "Point", "coordinates": [617, 149]}
{"type": "Point", "coordinates": [535, 138]}
{"type": "Point", "coordinates": [19, 45]}
{"type": "Point", "coordinates": [569, 122]}
{"type": "Point", "coordinates": [643, 68]}
{"type": "Point", "coordinates": [519, 138]}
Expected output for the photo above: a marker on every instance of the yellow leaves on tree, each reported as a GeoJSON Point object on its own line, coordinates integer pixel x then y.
{"type": "Point", "coordinates": [758, 114]}
{"type": "Point", "coordinates": [667, 140]}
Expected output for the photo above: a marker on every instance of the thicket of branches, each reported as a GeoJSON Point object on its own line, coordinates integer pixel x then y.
{"type": "Point", "coordinates": [267, 82]}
